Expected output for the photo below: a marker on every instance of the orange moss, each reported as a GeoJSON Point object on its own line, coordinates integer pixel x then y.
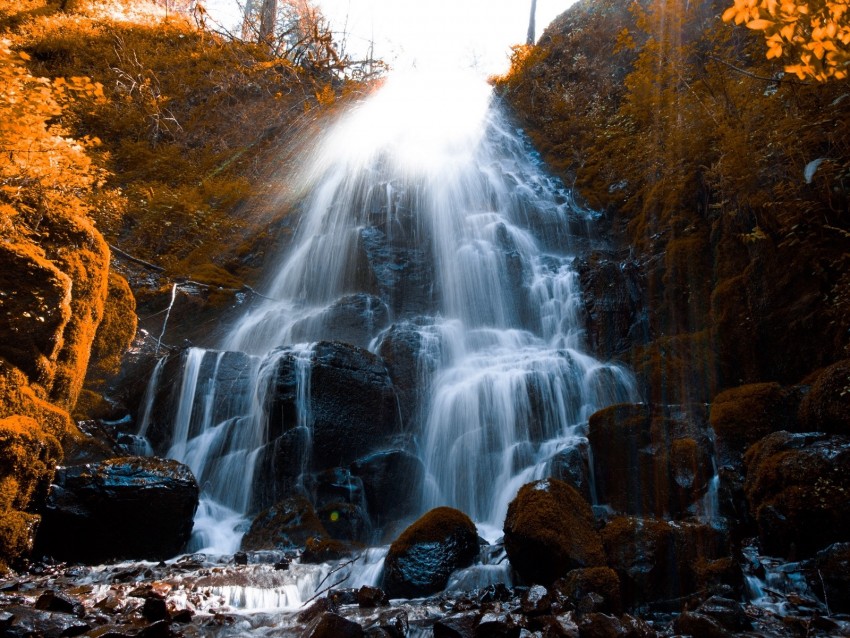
{"type": "Point", "coordinates": [743, 415]}
{"type": "Point", "coordinates": [28, 457]}
{"type": "Point", "coordinates": [678, 369]}
{"type": "Point", "coordinates": [433, 527]}
{"type": "Point", "coordinates": [549, 530]}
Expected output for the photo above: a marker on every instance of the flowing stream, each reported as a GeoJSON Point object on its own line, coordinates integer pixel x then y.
{"type": "Point", "coordinates": [424, 213]}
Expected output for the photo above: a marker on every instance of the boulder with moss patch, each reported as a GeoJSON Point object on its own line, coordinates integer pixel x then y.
{"type": "Point", "coordinates": [421, 560]}
{"type": "Point", "coordinates": [797, 486]}
{"type": "Point", "coordinates": [549, 530]}
{"type": "Point", "coordinates": [826, 408]}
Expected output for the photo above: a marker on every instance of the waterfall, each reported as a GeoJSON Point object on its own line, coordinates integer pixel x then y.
{"type": "Point", "coordinates": [426, 217]}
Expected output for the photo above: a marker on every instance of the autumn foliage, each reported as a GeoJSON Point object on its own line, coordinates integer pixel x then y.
{"type": "Point", "coordinates": [814, 35]}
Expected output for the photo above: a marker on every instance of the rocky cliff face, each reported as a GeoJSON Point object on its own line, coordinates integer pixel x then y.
{"type": "Point", "coordinates": [54, 289]}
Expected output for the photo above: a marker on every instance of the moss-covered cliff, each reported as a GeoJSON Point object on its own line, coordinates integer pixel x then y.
{"type": "Point", "coordinates": [727, 182]}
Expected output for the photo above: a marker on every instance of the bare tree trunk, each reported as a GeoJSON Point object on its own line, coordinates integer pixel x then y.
{"type": "Point", "coordinates": [531, 39]}
{"type": "Point", "coordinates": [268, 17]}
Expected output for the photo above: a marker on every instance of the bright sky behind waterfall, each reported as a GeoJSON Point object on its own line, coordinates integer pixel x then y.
{"type": "Point", "coordinates": [426, 33]}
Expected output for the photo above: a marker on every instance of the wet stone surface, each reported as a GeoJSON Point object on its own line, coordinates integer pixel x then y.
{"type": "Point", "coordinates": [272, 594]}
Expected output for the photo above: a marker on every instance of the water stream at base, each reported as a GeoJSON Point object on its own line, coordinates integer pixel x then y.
{"type": "Point", "coordinates": [429, 203]}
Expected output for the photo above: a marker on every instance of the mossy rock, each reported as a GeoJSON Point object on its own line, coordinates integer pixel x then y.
{"type": "Point", "coordinates": [549, 530]}
{"type": "Point", "coordinates": [657, 560]}
{"type": "Point", "coordinates": [425, 555]}
{"type": "Point", "coordinates": [286, 525]}
{"type": "Point", "coordinates": [826, 408]}
{"type": "Point", "coordinates": [602, 581]}
{"type": "Point", "coordinates": [743, 415]}
{"type": "Point", "coordinates": [797, 487]}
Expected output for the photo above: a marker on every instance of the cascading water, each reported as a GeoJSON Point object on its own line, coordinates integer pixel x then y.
{"type": "Point", "coordinates": [425, 214]}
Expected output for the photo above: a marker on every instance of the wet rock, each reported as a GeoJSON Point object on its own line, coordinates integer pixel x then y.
{"type": "Point", "coordinates": [345, 521]}
{"type": "Point", "coordinates": [46, 624]}
{"type": "Point", "coordinates": [658, 562]}
{"type": "Point", "coordinates": [287, 525]}
{"type": "Point", "coordinates": [316, 610]}
{"type": "Point", "coordinates": [131, 507]}
{"type": "Point", "coordinates": [398, 268]}
{"type": "Point", "coordinates": [499, 624]}
{"type": "Point", "coordinates": [330, 625]}
{"type": "Point", "coordinates": [394, 623]}
{"type": "Point", "coordinates": [323, 550]}
{"type": "Point", "coordinates": [832, 578]}
{"type": "Point", "coordinates": [726, 613]}
{"type": "Point", "coordinates": [58, 601]}
{"type": "Point", "coordinates": [391, 479]}
{"type": "Point", "coordinates": [353, 319]}
{"type": "Point", "coordinates": [826, 408]}
{"type": "Point", "coordinates": [549, 530]}
{"type": "Point", "coordinates": [353, 410]}
{"type": "Point", "coordinates": [697, 625]}
{"type": "Point", "coordinates": [651, 460]}
{"type": "Point", "coordinates": [598, 625]}
{"type": "Point", "coordinates": [743, 415]}
{"type": "Point", "coordinates": [797, 487]}
{"type": "Point", "coordinates": [369, 597]}
{"type": "Point", "coordinates": [421, 560]}
{"type": "Point", "coordinates": [572, 466]}
{"type": "Point", "coordinates": [613, 302]}
{"type": "Point", "coordinates": [155, 609]}
{"type": "Point", "coordinates": [536, 601]}
{"type": "Point", "coordinates": [460, 625]}
{"type": "Point", "coordinates": [400, 349]}
{"type": "Point", "coordinates": [602, 581]}
{"type": "Point", "coordinates": [557, 626]}
{"type": "Point", "coordinates": [230, 370]}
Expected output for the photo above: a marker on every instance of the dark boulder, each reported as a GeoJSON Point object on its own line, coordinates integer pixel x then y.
{"type": "Point", "coordinates": [421, 560]}
{"type": "Point", "coordinates": [231, 373]}
{"type": "Point", "coordinates": [287, 525]}
{"type": "Point", "coordinates": [353, 319]}
{"type": "Point", "coordinates": [602, 581]}
{"type": "Point", "coordinates": [549, 530]}
{"type": "Point", "coordinates": [352, 410]}
{"type": "Point", "coordinates": [133, 507]}
{"type": "Point", "coordinates": [458, 625]}
{"type": "Point", "coordinates": [324, 550]}
{"type": "Point", "coordinates": [826, 408]}
{"type": "Point", "coordinates": [743, 415]}
{"type": "Point", "coordinates": [409, 367]}
{"type": "Point", "coordinates": [832, 578]}
{"type": "Point", "coordinates": [391, 480]}
{"type": "Point", "coordinates": [599, 625]}
{"type": "Point", "coordinates": [398, 268]}
{"type": "Point", "coordinates": [651, 460]}
{"type": "Point", "coordinates": [716, 617]}
{"type": "Point", "coordinates": [25, 622]}
{"type": "Point", "coordinates": [612, 292]}
{"type": "Point", "coordinates": [370, 597]}
{"type": "Point", "coordinates": [658, 562]}
{"type": "Point", "coordinates": [572, 466]}
{"type": "Point", "coordinates": [796, 487]}
{"type": "Point", "coordinates": [330, 625]}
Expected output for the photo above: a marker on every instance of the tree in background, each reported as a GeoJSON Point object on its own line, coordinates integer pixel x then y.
{"type": "Point", "coordinates": [814, 35]}
{"type": "Point", "coordinates": [531, 26]}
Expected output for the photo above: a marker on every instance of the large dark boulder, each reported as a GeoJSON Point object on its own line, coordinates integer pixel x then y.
{"type": "Point", "coordinates": [398, 268]}
{"type": "Point", "coordinates": [134, 507]}
{"type": "Point", "coordinates": [421, 560]}
{"type": "Point", "coordinates": [651, 460]}
{"type": "Point", "coordinates": [286, 525]}
{"type": "Point", "coordinates": [743, 415]}
{"type": "Point", "coordinates": [391, 482]}
{"type": "Point", "coordinates": [832, 577]}
{"type": "Point", "coordinates": [660, 561]}
{"type": "Point", "coordinates": [826, 408]}
{"type": "Point", "coordinates": [352, 411]}
{"type": "Point", "coordinates": [549, 530]}
{"type": "Point", "coordinates": [797, 486]}
{"type": "Point", "coordinates": [612, 292]}
{"type": "Point", "coordinates": [230, 373]}
{"type": "Point", "coordinates": [354, 319]}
